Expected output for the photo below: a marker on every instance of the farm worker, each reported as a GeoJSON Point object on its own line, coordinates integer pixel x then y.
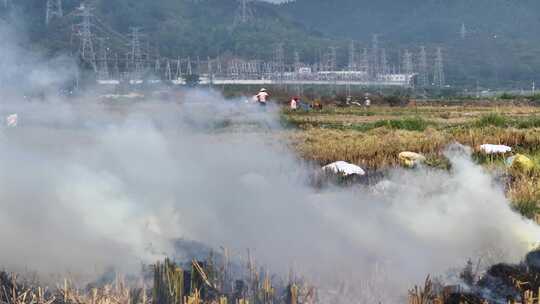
{"type": "Point", "coordinates": [367, 102]}
{"type": "Point", "coordinates": [11, 120]}
{"type": "Point", "coordinates": [303, 105]}
{"type": "Point", "coordinates": [262, 97]}
{"type": "Point", "coordinates": [294, 103]}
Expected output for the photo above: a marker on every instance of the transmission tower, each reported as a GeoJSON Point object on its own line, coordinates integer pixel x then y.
{"type": "Point", "coordinates": [103, 68]}
{"type": "Point", "coordinates": [408, 67]}
{"type": "Point", "coordinates": [332, 60]}
{"type": "Point", "coordinates": [210, 70]}
{"type": "Point", "coordinates": [438, 76]}
{"type": "Point", "coordinates": [136, 52]}
{"type": "Point", "coordinates": [352, 57]}
{"type": "Point", "coordinates": [219, 65]}
{"type": "Point", "coordinates": [178, 69]}
{"type": "Point", "coordinates": [244, 13]}
{"type": "Point", "coordinates": [128, 59]}
{"type": "Point", "coordinates": [374, 60]}
{"type": "Point", "coordinates": [157, 66]}
{"type": "Point", "coordinates": [463, 31]}
{"type": "Point", "coordinates": [189, 68]}
{"type": "Point", "coordinates": [168, 71]}
{"type": "Point", "coordinates": [53, 10]}
{"type": "Point", "coordinates": [86, 48]}
{"type": "Point", "coordinates": [364, 61]}
{"type": "Point", "coordinates": [423, 79]}
{"type": "Point", "coordinates": [297, 63]}
{"type": "Point", "coordinates": [385, 70]}
{"type": "Point", "coordinates": [279, 59]}
{"type": "Point", "coordinates": [116, 68]}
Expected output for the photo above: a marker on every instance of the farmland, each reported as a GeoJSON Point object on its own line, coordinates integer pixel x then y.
{"type": "Point", "coordinates": [372, 138]}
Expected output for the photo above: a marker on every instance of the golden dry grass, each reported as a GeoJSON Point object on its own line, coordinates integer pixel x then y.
{"type": "Point", "coordinates": [377, 147]}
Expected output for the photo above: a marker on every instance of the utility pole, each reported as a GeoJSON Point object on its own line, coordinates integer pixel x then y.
{"type": "Point", "coordinates": [352, 57]}
{"type": "Point", "coordinates": [352, 66]}
{"type": "Point", "coordinates": [407, 63]}
{"type": "Point", "coordinates": [408, 67]}
{"type": "Point", "coordinates": [136, 52]}
{"type": "Point", "coordinates": [384, 63]}
{"type": "Point", "coordinates": [463, 31]}
{"type": "Point", "coordinates": [297, 66]}
{"type": "Point", "coordinates": [279, 61]}
{"type": "Point", "coordinates": [438, 77]}
{"type": "Point", "coordinates": [189, 68]}
{"type": "Point", "coordinates": [86, 48]}
{"type": "Point", "coordinates": [103, 70]}
{"type": "Point", "coordinates": [157, 66]}
{"type": "Point", "coordinates": [178, 68]}
{"type": "Point", "coordinates": [127, 66]}
{"type": "Point", "coordinates": [53, 10]}
{"type": "Point", "coordinates": [244, 13]}
{"type": "Point", "coordinates": [374, 64]}
{"type": "Point", "coordinates": [116, 68]}
{"type": "Point", "coordinates": [333, 59]}
{"type": "Point", "coordinates": [364, 61]}
{"type": "Point", "coordinates": [423, 79]}
{"type": "Point", "coordinates": [168, 71]}
{"type": "Point", "coordinates": [210, 70]}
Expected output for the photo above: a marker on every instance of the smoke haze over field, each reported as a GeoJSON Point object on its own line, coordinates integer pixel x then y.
{"type": "Point", "coordinates": [87, 185]}
{"type": "Point", "coordinates": [92, 191]}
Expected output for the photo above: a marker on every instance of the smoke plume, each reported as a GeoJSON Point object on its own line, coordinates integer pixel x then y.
{"type": "Point", "coordinates": [87, 185]}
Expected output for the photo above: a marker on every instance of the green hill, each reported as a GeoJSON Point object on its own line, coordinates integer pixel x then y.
{"type": "Point", "coordinates": [499, 49]}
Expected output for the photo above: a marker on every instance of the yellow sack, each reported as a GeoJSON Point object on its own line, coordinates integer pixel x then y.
{"type": "Point", "coordinates": [411, 159]}
{"type": "Point", "coordinates": [521, 163]}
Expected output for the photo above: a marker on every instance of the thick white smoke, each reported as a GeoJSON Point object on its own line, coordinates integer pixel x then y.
{"type": "Point", "coordinates": [86, 185]}
{"type": "Point", "coordinates": [115, 187]}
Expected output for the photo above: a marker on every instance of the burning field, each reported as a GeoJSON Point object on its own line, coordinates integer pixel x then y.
{"type": "Point", "coordinates": [92, 189]}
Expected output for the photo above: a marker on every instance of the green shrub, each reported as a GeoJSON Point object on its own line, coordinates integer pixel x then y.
{"type": "Point", "coordinates": [410, 124]}
{"type": "Point", "coordinates": [527, 208]}
{"type": "Point", "coordinates": [507, 96]}
{"type": "Point", "coordinates": [492, 119]}
{"type": "Point", "coordinates": [531, 122]}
